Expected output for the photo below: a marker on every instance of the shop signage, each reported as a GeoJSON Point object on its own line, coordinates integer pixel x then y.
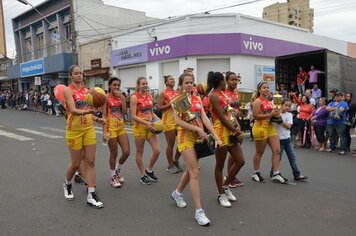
{"type": "Point", "coordinates": [32, 68]}
{"type": "Point", "coordinates": [37, 80]}
{"type": "Point", "coordinates": [207, 44]}
{"type": "Point", "coordinates": [63, 75]}
{"type": "Point", "coordinates": [266, 74]}
{"type": "Point", "coordinates": [95, 64]}
{"type": "Point", "coordinates": [127, 56]}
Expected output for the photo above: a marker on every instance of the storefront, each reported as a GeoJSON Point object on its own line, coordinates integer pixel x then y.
{"type": "Point", "coordinates": [97, 76]}
{"type": "Point", "coordinates": [250, 55]}
{"type": "Point", "coordinates": [42, 74]}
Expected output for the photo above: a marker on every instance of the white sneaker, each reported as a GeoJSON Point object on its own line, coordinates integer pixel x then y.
{"type": "Point", "coordinates": [257, 177]}
{"type": "Point", "coordinates": [94, 201]}
{"type": "Point", "coordinates": [278, 178]}
{"type": "Point", "coordinates": [179, 199]}
{"type": "Point", "coordinates": [201, 218]}
{"type": "Point", "coordinates": [68, 193]}
{"type": "Point", "coordinates": [224, 201]}
{"type": "Point", "coordinates": [119, 175]}
{"type": "Point", "coordinates": [229, 194]}
{"type": "Point", "coordinates": [115, 183]}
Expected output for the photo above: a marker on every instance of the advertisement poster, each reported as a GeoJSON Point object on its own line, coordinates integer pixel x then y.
{"type": "Point", "coordinates": [266, 73]}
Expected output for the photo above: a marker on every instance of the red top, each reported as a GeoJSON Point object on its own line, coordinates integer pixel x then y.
{"type": "Point", "coordinates": [233, 97]}
{"type": "Point", "coordinates": [205, 102]}
{"type": "Point", "coordinates": [306, 110]}
{"type": "Point", "coordinates": [168, 96]}
{"type": "Point", "coordinates": [79, 98]}
{"type": "Point", "coordinates": [144, 106]}
{"type": "Point", "coordinates": [224, 103]}
{"type": "Point", "coordinates": [301, 77]}
{"type": "Point", "coordinates": [266, 106]}
{"type": "Point", "coordinates": [114, 107]}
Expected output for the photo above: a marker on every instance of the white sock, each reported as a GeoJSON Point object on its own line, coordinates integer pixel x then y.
{"type": "Point", "coordinates": [149, 171]}
{"type": "Point", "coordinates": [91, 190]}
{"type": "Point", "coordinates": [178, 193]}
{"type": "Point", "coordinates": [68, 182]}
{"type": "Point", "coordinates": [276, 172]}
{"type": "Point", "coordinates": [118, 166]}
{"type": "Point", "coordinates": [112, 173]}
{"type": "Point", "coordinates": [256, 171]}
{"type": "Point", "coordinates": [197, 210]}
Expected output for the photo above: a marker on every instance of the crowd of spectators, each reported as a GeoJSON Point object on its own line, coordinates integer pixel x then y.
{"type": "Point", "coordinates": [31, 100]}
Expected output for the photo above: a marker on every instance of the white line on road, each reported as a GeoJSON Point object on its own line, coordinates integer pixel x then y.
{"type": "Point", "coordinates": [14, 136]}
{"type": "Point", "coordinates": [39, 133]}
{"type": "Point", "coordinates": [54, 129]}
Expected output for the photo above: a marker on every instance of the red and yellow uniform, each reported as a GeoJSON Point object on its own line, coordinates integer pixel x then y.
{"type": "Point", "coordinates": [205, 102]}
{"type": "Point", "coordinates": [144, 111]}
{"type": "Point", "coordinates": [223, 132]}
{"type": "Point", "coordinates": [262, 129]}
{"type": "Point", "coordinates": [167, 116]}
{"type": "Point", "coordinates": [79, 128]}
{"type": "Point", "coordinates": [187, 138]}
{"type": "Point", "coordinates": [233, 97]}
{"type": "Point", "coordinates": [114, 117]}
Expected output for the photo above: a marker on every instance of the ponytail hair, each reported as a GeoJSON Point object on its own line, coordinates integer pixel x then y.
{"type": "Point", "coordinates": [213, 80]}
{"type": "Point", "coordinates": [139, 79]}
{"type": "Point", "coordinates": [112, 79]}
{"type": "Point", "coordinates": [259, 86]}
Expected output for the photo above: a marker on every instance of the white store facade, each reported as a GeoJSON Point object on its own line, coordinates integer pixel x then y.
{"type": "Point", "coordinates": [225, 42]}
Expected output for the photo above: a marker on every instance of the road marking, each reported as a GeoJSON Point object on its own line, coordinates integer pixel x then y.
{"type": "Point", "coordinates": [54, 129]}
{"type": "Point", "coordinates": [39, 133]}
{"type": "Point", "coordinates": [14, 136]}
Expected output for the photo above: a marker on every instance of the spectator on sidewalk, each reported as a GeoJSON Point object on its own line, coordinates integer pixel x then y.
{"type": "Point", "coordinates": [316, 94]}
{"type": "Point", "coordinates": [337, 123]}
{"type": "Point", "coordinates": [313, 76]}
{"type": "Point", "coordinates": [308, 93]}
{"type": "Point", "coordinates": [302, 77]}
{"type": "Point", "coordinates": [350, 118]}
{"type": "Point", "coordinates": [320, 119]}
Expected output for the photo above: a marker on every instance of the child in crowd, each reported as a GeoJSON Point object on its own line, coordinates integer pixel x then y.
{"type": "Point", "coordinates": [286, 143]}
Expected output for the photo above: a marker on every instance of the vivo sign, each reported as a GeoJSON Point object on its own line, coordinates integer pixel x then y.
{"type": "Point", "coordinates": [253, 46]}
{"type": "Point", "coordinates": [160, 50]}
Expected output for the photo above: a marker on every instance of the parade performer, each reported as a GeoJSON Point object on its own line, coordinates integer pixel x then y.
{"type": "Point", "coordinates": [265, 133]}
{"type": "Point", "coordinates": [80, 136]}
{"type": "Point", "coordinates": [141, 106]}
{"type": "Point", "coordinates": [169, 124]}
{"type": "Point", "coordinates": [188, 134]}
{"type": "Point", "coordinates": [114, 130]}
{"type": "Point", "coordinates": [232, 93]}
{"type": "Point", "coordinates": [228, 130]}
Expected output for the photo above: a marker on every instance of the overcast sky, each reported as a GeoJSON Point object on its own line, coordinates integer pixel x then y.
{"type": "Point", "coordinates": [332, 18]}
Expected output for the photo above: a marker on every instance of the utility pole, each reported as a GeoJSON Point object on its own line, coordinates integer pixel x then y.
{"type": "Point", "coordinates": [73, 33]}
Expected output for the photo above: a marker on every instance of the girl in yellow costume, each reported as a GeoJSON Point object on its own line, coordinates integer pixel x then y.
{"type": "Point", "coordinates": [164, 100]}
{"type": "Point", "coordinates": [80, 136]}
{"type": "Point", "coordinates": [141, 106]}
{"type": "Point", "coordinates": [264, 133]}
{"type": "Point", "coordinates": [232, 93]}
{"type": "Point", "coordinates": [228, 133]}
{"type": "Point", "coordinates": [114, 131]}
{"type": "Point", "coordinates": [188, 133]}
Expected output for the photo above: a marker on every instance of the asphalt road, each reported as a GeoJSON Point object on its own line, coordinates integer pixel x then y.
{"type": "Point", "coordinates": [32, 202]}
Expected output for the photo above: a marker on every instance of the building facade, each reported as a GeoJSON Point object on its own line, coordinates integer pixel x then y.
{"type": "Point", "coordinates": [222, 42]}
{"type": "Point", "coordinates": [95, 61]}
{"type": "Point", "coordinates": [2, 31]}
{"type": "Point", "coordinates": [293, 12]}
{"type": "Point", "coordinates": [47, 46]}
